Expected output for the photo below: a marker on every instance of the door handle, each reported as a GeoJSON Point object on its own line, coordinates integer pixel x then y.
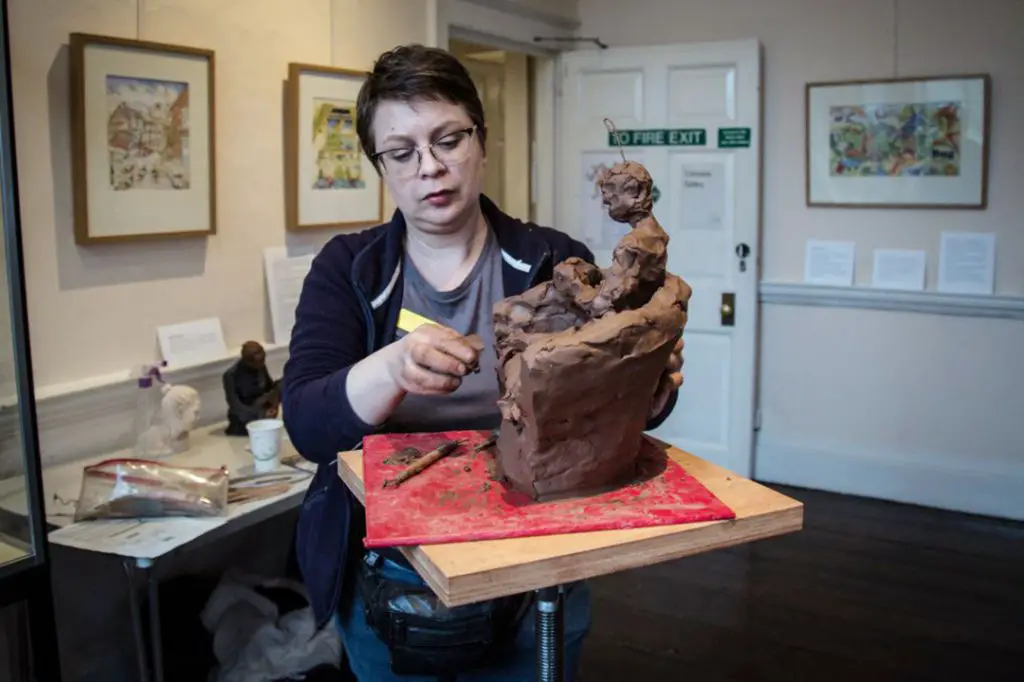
{"type": "Point", "coordinates": [742, 251]}
{"type": "Point", "coordinates": [728, 309]}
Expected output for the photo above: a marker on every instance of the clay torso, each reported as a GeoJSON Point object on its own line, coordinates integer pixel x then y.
{"type": "Point", "coordinates": [581, 356]}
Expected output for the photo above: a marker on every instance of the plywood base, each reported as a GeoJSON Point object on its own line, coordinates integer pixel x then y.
{"type": "Point", "coordinates": [467, 572]}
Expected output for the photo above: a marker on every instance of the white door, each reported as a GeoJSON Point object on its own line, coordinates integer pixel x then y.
{"type": "Point", "coordinates": [691, 114]}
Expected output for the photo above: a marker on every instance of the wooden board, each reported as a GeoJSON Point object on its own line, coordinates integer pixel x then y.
{"type": "Point", "coordinates": [467, 572]}
{"type": "Point", "coordinates": [456, 499]}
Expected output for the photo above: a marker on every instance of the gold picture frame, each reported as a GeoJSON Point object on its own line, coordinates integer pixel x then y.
{"type": "Point", "coordinates": [329, 182]}
{"type": "Point", "coordinates": [143, 140]}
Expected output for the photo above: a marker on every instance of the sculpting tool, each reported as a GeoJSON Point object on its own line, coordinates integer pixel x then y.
{"type": "Point", "coordinates": [422, 463]}
{"type": "Point", "coordinates": [487, 443]}
{"type": "Point", "coordinates": [252, 493]}
{"type": "Point", "coordinates": [262, 479]}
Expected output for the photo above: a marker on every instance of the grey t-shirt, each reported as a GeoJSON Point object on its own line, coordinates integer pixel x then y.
{"type": "Point", "coordinates": [468, 310]}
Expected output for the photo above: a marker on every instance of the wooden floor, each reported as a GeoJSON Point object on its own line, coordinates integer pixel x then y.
{"type": "Point", "coordinates": [868, 590]}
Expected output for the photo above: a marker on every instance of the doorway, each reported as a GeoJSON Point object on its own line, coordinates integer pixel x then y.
{"type": "Point", "coordinates": [503, 79]}
{"type": "Point", "coordinates": [690, 113]}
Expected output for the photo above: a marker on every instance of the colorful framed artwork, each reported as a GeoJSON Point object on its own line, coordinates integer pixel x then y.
{"type": "Point", "coordinates": [142, 140]}
{"type": "Point", "coordinates": [898, 143]}
{"type": "Point", "coordinates": [329, 181]}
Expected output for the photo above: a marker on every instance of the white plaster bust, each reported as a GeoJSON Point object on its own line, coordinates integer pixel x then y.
{"type": "Point", "coordinates": [169, 432]}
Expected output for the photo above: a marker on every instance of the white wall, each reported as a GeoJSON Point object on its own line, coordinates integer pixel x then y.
{"type": "Point", "coordinates": [95, 310]}
{"type": "Point", "coordinates": [565, 9]}
{"type": "Point", "coordinates": [509, 24]}
{"type": "Point", "coordinates": [904, 405]}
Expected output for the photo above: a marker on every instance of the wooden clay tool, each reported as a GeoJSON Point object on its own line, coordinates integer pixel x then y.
{"type": "Point", "coordinates": [252, 493]}
{"type": "Point", "coordinates": [422, 463]}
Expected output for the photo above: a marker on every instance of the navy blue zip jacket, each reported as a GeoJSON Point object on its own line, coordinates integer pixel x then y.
{"type": "Point", "coordinates": [348, 309]}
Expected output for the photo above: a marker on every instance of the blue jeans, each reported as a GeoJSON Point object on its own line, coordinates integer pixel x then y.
{"type": "Point", "coordinates": [370, 662]}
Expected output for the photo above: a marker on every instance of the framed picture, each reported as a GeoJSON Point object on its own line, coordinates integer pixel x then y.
{"type": "Point", "coordinates": [898, 143]}
{"type": "Point", "coordinates": [142, 140]}
{"type": "Point", "coordinates": [329, 181]}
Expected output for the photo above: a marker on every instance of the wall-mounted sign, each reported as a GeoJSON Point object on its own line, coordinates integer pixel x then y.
{"type": "Point", "coordinates": [659, 137]}
{"type": "Point", "coordinates": [733, 137]}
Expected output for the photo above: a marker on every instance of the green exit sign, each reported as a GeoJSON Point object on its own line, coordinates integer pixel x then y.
{"type": "Point", "coordinates": [733, 137]}
{"type": "Point", "coordinates": [659, 137]}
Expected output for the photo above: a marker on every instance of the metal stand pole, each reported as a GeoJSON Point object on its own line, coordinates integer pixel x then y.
{"type": "Point", "coordinates": [155, 634]}
{"type": "Point", "coordinates": [150, 658]}
{"type": "Point", "coordinates": [141, 652]}
{"type": "Point", "coordinates": [550, 632]}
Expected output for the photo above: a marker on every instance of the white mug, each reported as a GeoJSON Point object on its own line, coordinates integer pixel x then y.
{"type": "Point", "coordinates": [265, 443]}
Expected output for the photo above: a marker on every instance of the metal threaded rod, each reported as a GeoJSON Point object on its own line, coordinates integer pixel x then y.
{"type": "Point", "coordinates": [549, 626]}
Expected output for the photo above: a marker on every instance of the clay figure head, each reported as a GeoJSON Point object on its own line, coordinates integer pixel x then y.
{"type": "Point", "coordinates": [179, 409]}
{"type": "Point", "coordinates": [626, 190]}
{"type": "Point", "coordinates": [253, 355]}
{"type": "Point", "coordinates": [421, 122]}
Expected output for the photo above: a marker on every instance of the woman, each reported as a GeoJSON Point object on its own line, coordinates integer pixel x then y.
{"type": "Point", "coordinates": [448, 254]}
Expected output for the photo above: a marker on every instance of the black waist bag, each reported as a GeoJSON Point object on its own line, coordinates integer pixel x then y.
{"type": "Point", "coordinates": [425, 637]}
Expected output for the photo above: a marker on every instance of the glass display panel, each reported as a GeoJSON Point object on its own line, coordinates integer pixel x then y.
{"type": "Point", "coordinates": [15, 535]}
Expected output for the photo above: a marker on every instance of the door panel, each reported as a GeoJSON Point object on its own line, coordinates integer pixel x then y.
{"type": "Point", "coordinates": [702, 91]}
{"type": "Point", "coordinates": [619, 95]}
{"type": "Point", "coordinates": [708, 200]}
{"type": "Point", "coordinates": [701, 417]}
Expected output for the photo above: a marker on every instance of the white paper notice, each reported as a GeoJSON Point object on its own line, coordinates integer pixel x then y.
{"type": "Point", "coordinates": [139, 538]}
{"type": "Point", "coordinates": [702, 200]}
{"type": "Point", "coordinates": [285, 276]}
{"type": "Point", "coordinates": [829, 263]}
{"type": "Point", "coordinates": [899, 269]}
{"type": "Point", "coordinates": [189, 343]}
{"type": "Point", "coordinates": [967, 263]}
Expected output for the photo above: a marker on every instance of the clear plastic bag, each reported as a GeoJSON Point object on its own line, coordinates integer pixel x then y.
{"type": "Point", "coordinates": [139, 488]}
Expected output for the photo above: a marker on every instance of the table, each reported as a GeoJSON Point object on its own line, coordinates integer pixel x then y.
{"type": "Point", "coordinates": [467, 572]}
{"type": "Point", "coordinates": [141, 543]}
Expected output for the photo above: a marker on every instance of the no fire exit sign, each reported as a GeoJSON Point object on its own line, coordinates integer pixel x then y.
{"type": "Point", "coordinates": [728, 138]}
{"type": "Point", "coordinates": [659, 137]}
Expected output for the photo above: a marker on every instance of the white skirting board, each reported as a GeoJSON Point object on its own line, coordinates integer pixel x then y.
{"type": "Point", "coordinates": [992, 490]}
{"type": "Point", "coordinates": [94, 417]}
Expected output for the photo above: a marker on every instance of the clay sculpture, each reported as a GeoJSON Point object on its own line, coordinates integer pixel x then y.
{"type": "Point", "coordinates": [581, 356]}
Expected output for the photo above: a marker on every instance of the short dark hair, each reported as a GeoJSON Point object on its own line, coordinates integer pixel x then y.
{"type": "Point", "coordinates": [411, 72]}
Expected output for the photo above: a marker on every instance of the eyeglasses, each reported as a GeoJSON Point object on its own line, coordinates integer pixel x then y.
{"type": "Point", "coordinates": [404, 162]}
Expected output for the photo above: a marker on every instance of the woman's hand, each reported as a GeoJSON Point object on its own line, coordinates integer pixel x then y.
{"type": "Point", "coordinates": [431, 360]}
{"type": "Point", "coordinates": [671, 380]}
